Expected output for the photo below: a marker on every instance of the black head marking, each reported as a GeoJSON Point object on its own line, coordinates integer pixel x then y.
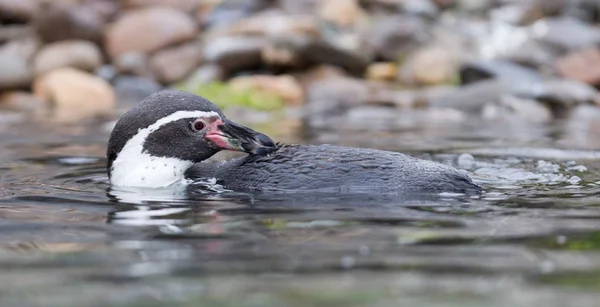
{"type": "Point", "coordinates": [148, 111]}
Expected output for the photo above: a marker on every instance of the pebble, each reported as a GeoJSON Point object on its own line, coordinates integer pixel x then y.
{"type": "Point", "coordinates": [74, 96]}
{"type": "Point", "coordinates": [58, 20]}
{"type": "Point", "coordinates": [149, 29]}
{"type": "Point", "coordinates": [175, 63]}
{"type": "Point", "coordinates": [74, 53]}
{"type": "Point", "coordinates": [285, 87]}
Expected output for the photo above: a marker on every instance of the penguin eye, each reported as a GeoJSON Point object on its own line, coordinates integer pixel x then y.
{"type": "Point", "coordinates": [198, 125]}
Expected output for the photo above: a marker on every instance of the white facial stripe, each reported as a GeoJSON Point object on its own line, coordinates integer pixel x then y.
{"type": "Point", "coordinates": [134, 167]}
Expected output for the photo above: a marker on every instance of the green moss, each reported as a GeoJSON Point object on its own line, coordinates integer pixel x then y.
{"type": "Point", "coordinates": [581, 242]}
{"type": "Point", "coordinates": [573, 280]}
{"type": "Point", "coordinates": [225, 96]}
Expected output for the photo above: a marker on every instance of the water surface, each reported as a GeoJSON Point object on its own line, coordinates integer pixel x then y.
{"type": "Point", "coordinates": [532, 239]}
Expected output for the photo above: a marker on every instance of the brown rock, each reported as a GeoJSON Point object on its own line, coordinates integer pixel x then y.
{"type": "Point", "coordinates": [344, 13]}
{"type": "Point", "coordinates": [182, 5]}
{"type": "Point", "coordinates": [149, 29]}
{"type": "Point", "coordinates": [175, 63]}
{"type": "Point", "coordinates": [382, 71]}
{"type": "Point", "coordinates": [74, 95]}
{"type": "Point", "coordinates": [80, 54]}
{"type": "Point", "coordinates": [430, 66]}
{"type": "Point", "coordinates": [582, 65]}
{"type": "Point", "coordinates": [285, 87]}
{"type": "Point", "coordinates": [271, 25]}
{"type": "Point", "coordinates": [57, 21]}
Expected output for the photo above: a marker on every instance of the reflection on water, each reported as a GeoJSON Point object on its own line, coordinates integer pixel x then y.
{"type": "Point", "coordinates": [533, 238]}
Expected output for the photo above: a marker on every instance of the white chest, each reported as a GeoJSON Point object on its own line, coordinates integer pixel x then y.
{"type": "Point", "coordinates": [143, 170]}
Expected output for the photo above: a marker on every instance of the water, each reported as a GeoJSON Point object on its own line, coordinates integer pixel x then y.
{"type": "Point", "coordinates": [532, 239]}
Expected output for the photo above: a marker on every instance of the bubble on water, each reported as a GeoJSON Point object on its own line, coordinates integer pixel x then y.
{"type": "Point", "coordinates": [547, 267]}
{"type": "Point", "coordinates": [547, 167]}
{"type": "Point", "coordinates": [347, 262]}
{"type": "Point", "coordinates": [577, 168]}
{"type": "Point", "coordinates": [78, 160]}
{"type": "Point", "coordinates": [466, 161]}
{"type": "Point", "coordinates": [561, 240]}
{"type": "Point", "coordinates": [364, 250]}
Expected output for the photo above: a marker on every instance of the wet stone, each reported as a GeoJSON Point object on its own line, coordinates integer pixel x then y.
{"type": "Point", "coordinates": [497, 69]}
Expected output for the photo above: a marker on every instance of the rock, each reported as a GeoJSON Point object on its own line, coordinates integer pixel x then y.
{"type": "Point", "coordinates": [148, 29]}
{"type": "Point", "coordinates": [298, 6]}
{"type": "Point", "coordinates": [173, 64]}
{"type": "Point", "coordinates": [566, 33]}
{"type": "Point", "coordinates": [559, 95]}
{"type": "Point", "coordinates": [582, 65]}
{"type": "Point", "coordinates": [425, 8]}
{"type": "Point", "coordinates": [318, 74]}
{"type": "Point", "coordinates": [392, 37]}
{"type": "Point", "coordinates": [134, 63]}
{"type": "Point", "coordinates": [15, 72]}
{"type": "Point", "coordinates": [229, 11]}
{"type": "Point", "coordinates": [404, 99]}
{"type": "Point", "coordinates": [17, 10]}
{"type": "Point", "coordinates": [206, 73]}
{"type": "Point", "coordinates": [20, 102]}
{"type": "Point", "coordinates": [80, 54]}
{"type": "Point", "coordinates": [430, 66]}
{"type": "Point", "coordinates": [234, 53]}
{"type": "Point", "coordinates": [476, 71]}
{"type": "Point", "coordinates": [131, 90]}
{"type": "Point", "coordinates": [533, 54]}
{"type": "Point", "coordinates": [74, 95]}
{"type": "Point", "coordinates": [271, 25]}
{"type": "Point", "coordinates": [473, 97]}
{"type": "Point", "coordinates": [382, 71]}
{"type": "Point", "coordinates": [522, 109]}
{"type": "Point", "coordinates": [306, 51]}
{"type": "Point", "coordinates": [343, 13]}
{"type": "Point", "coordinates": [329, 100]}
{"type": "Point", "coordinates": [182, 5]}
{"type": "Point", "coordinates": [563, 95]}
{"type": "Point", "coordinates": [407, 99]}
{"type": "Point", "coordinates": [57, 21]}
{"type": "Point", "coordinates": [284, 87]}
{"type": "Point", "coordinates": [15, 57]}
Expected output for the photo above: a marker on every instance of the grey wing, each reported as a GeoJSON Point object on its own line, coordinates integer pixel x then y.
{"type": "Point", "coordinates": [332, 168]}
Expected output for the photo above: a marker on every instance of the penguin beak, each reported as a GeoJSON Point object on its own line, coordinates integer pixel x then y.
{"type": "Point", "coordinates": [229, 135]}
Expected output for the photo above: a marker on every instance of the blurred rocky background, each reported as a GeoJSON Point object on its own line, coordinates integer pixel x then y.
{"type": "Point", "coordinates": [342, 65]}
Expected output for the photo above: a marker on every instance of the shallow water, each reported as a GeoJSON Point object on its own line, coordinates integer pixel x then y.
{"type": "Point", "coordinates": [532, 239]}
